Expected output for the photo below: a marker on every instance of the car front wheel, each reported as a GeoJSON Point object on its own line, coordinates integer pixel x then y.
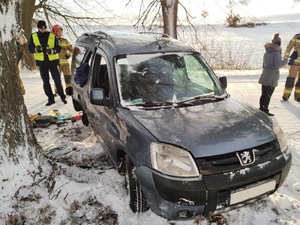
{"type": "Point", "coordinates": [138, 202]}
{"type": "Point", "coordinates": [76, 105]}
{"type": "Point", "coordinates": [85, 119]}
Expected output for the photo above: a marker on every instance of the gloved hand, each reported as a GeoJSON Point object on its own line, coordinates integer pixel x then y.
{"type": "Point", "coordinates": [51, 51]}
{"type": "Point", "coordinates": [286, 55]}
{"type": "Point", "coordinates": [38, 49]}
{"type": "Point", "coordinates": [67, 56]}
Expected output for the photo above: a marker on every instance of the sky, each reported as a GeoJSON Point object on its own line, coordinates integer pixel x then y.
{"type": "Point", "coordinates": [86, 184]}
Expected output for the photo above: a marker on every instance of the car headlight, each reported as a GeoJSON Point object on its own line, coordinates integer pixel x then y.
{"type": "Point", "coordinates": [280, 135]}
{"type": "Point", "coordinates": [171, 160]}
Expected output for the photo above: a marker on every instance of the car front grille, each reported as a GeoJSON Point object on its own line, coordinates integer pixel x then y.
{"type": "Point", "coordinates": [230, 162]}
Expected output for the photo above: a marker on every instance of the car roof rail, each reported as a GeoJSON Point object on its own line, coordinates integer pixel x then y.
{"type": "Point", "coordinates": [97, 34]}
{"type": "Point", "coordinates": [158, 33]}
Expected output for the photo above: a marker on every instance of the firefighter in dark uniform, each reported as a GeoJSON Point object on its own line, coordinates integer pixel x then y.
{"type": "Point", "coordinates": [45, 47]}
{"type": "Point", "coordinates": [294, 70]}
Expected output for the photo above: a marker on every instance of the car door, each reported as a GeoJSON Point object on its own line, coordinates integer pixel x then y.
{"type": "Point", "coordinates": [103, 118]}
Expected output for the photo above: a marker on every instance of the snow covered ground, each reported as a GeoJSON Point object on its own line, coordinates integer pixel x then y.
{"type": "Point", "coordinates": [90, 178]}
{"type": "Point", "coordinates": [87, 186]}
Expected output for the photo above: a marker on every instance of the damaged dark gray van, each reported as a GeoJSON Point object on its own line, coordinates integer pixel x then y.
{"type": "Point", "coordinates": [183, 145]}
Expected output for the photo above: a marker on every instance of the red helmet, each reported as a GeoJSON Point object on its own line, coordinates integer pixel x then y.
{"type": "Point", "coordinates": [55, 28]}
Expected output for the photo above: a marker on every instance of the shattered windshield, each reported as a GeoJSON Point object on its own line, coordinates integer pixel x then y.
{"type": "Point", "coordinates": [164, 78]}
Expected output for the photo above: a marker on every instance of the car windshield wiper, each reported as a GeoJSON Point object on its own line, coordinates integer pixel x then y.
{"type": "Point", "coordinates": [205, 99]}
{"type": "Point", "coordinates": [152, 104]}
{"type": "Point", "coordinates": [188, 102]}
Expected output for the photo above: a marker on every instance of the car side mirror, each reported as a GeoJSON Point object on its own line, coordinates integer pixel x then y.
{"type": "Point", "coordinates": [97, 96]}
{"type": "Point", "coordinates": [223, 82]}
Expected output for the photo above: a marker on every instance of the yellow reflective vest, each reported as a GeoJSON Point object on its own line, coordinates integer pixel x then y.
{"type": "Point", "coordinates": [51, 42]}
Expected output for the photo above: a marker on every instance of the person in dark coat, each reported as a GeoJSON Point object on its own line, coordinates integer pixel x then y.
{"type": "Point", "coordinates": [45, 47]}
{"type": "Point", "coordinates": [272, 61]}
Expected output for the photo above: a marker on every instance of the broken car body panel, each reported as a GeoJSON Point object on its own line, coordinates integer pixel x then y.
{"type": "Point", "coordinates": [155, 101]}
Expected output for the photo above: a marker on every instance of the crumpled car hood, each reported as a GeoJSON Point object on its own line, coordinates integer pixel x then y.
{"type": "Point", "coordinates": [209, 129]}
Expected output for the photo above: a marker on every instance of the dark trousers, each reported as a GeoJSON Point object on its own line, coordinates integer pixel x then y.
{"type": "Point", "coordinates": [265, 98]}
{"type": "Point", "coordinates": [44, 72]}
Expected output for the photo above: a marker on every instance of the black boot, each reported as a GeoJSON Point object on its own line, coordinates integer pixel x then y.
{"type": "Point", "coordinates": [64, 101]}
{"type": "Point", "coordinates": [266, 111]}
{"type": "Point", "coordinates": [69, 91]}
{"type": "Point", "coordinates": [50, 102]}
{"type": "Point", "coordinates": [297, 99]}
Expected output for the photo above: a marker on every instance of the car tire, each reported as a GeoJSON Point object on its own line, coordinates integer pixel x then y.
{"type": "Point", "coordinates": [85, 119]}
{"type": "Point", "coordinates": [137, 202]}
{"type": "Point", "coordinates": [76, 105]}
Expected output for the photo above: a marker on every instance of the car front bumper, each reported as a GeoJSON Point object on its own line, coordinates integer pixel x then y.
{"type": "Point", "coordinates": [177, 198]}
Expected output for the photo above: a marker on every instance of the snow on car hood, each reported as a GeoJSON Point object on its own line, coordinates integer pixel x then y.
{"type": "Point", "coordinates": [209, 129]}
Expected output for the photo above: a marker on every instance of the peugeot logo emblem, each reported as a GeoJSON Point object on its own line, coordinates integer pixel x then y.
{"type": "Point", "coordinates": [246, 157]}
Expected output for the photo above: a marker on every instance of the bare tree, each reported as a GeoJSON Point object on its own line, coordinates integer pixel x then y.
{"type": "Point", "coordinates": [161, 13]}
{"type": "Point", "coordinates": [19, 150]}
{"type": "Point", "coordinates": [232, 18]}
{"type": "Point", "coordinates": [156, 13]}
{"type": "Point", "coordinates": [164, 13]}
{"type": "Point", "coordinates": [169, 11]}
{"type": "Point", "coordinates": [25, 15]}
{"type": "Point", "coordinates": [54, 11]}
{"type": "Point", "coordinates": [16, 136]}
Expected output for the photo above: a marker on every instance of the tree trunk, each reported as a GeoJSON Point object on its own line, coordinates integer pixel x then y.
{"type": "Point", "coordinates": [25, 18]}
{"type": "Point", "coordinates": [16, 137]}
{"type": "Point", "coordinates": [19, 150]}
{"type": "Point", "coordinates": [170, 10]}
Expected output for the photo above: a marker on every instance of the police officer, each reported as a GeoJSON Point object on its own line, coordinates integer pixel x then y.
{"type": "Point", "coordinates": [64, 55]}
{"type": "Point", "coordinates": [45, 47]}
{"type": "Point", "coordinates": [294, 70]}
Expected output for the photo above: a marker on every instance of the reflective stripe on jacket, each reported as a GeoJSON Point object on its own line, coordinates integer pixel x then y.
{"type": "Point", "coordinates": [294, 43]}
{"type": "Point", "coordinates": [51, 44]}
{"type": "Point", "coordinates": [66, 49]}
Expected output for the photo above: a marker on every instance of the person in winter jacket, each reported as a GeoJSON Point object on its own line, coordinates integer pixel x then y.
{"type": "Point", "coordinates": [294, 70]}
{"type": "Point", "coordinates": [45, 47]}
{"type": "Point", "coordinates": [64, 55]}
{"type": "Point", "coordinates": [272, 61]}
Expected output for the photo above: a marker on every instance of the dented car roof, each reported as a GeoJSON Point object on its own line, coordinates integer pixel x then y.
{"type": "Point", "coordinates": [130, 43]}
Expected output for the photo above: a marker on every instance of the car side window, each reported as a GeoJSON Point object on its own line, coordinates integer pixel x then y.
{"type": "Point", "coordinates": [80, 65]}
{"type": "Point", "coordinates": [79, 54]}
{"type": "Point", "coordinates": [100, 75]}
